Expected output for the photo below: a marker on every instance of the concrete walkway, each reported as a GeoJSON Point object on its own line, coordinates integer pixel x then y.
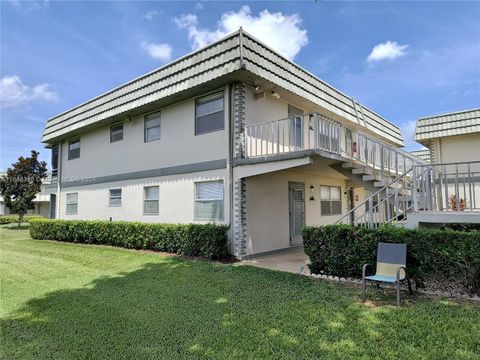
{"type": "Point", "coordinates": [294, 261]}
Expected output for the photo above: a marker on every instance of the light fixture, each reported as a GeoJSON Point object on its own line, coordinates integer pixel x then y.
{"type": "Point", "coordinates": [312, 188]}
{"type": "Point", "coordinates": [275, 94]}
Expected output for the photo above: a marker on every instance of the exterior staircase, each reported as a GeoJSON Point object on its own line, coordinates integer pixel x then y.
{"type": "Point", "coordinates": [434, 193]}
{"type": "Point", "coordinates": [400, 184]}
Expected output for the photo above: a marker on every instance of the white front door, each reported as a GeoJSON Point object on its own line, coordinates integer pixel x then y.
{"type": "Point", "coordinates": [297, 212]}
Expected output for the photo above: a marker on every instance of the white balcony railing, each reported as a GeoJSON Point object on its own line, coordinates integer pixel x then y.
{"type": "Point", "coordinates": [292, 134]}
{"type": "Point", "coordinates": [316, 132]}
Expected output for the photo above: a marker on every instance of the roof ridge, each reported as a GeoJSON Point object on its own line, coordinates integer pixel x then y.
{"type": "Point", "coordinates": [448, 113]}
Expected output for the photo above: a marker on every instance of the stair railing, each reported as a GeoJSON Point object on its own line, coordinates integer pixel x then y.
{"type": "Point", "coordinates": [389, 204]}
{"type": "Point", "coordinates": [434, 187]}
{"type": "Point", "coordinates": [314, 131]}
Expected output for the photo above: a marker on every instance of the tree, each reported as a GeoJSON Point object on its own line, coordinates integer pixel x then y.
{"type": "Point", "coordinates": [21, 183]}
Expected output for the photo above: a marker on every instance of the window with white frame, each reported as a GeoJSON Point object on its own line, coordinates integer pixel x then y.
{"type": "Point", "coordinates": [72, 203]}
{"type": "Point", "coordinates": [116, 133]}
{"type": "Point", "coordinates": [115, 198]}
{"type": "Point", "coordinates": [209, 200]}
{"type": "Point", "coordinates": [209, 114]}
{"type": "Point", "coordinates": [330, 200]}
{"type": "Point", "coordinates": [150, 200]}
{"type": "Point", "coordinates": [152, 127]}
{"type": "Point", "coordinates": [74, 149]}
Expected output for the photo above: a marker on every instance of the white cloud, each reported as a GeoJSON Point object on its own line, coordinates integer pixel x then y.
{"type": "Point", "coordinates": [199, 6]}
{"type": "Point", "coordinates": [389, 50]}
{"type": "Point", "coordinates": [281, 32]}
{"type": "Point", "coordinates": [149, 15]}
{"type": "Point", "coordinates": [161, 52]}
{"type": "Point", "coordinates": [14, 93]}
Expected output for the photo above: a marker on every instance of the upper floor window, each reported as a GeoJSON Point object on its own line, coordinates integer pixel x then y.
{"type": "Point", "coordinates": [209, 114]}
{"type": "Point", "coordinates": [209, 200]}
{"type": "Point", "coordinates": [150, 200]}
{"type": "Point", "coordinates": [55, 161]}
{"type": "Point", "coordinates": [330, 200]}
{"type": "Point", "coordinates": [116, 133]}
{"type": "Point", "coordinates": [72, 203]}
{"type": "Point", "coordinates": [74, 149]}
{"type": "Point", "coordinates": [115, 198]}
{"type": "Point", "coordinates": [152, 127]}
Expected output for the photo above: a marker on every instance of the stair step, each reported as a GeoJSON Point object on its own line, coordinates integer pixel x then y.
{"type": "Point", "coordinates": [373, 178]}
{"type": "Point", "coordinates": [347, 165]}
{"type": "Point", "coordinates": [380, 183]}
{"type": "Point", "coordinates": [362, 171]}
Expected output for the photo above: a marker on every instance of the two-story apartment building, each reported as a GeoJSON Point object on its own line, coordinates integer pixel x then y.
{"type": "Point", "coordinates": [233, 133]}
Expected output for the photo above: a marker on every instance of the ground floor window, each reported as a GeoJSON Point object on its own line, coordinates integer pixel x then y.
{"type": "Point", "coordinates": [151, 200]}
{"type": "Point", "coordinates": [330, 200]}
{"type": "Point", "coordinates": [72, 203]}
{"type": "Point", "coordinates": [115, 198]}
{"type": "Point", "coordinates": [209, 200]}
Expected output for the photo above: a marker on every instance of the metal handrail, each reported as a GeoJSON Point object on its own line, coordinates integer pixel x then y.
{"type": "Point", "coordinates": [425, 188]}
{"type": "Point", "coordinates": [371, 197]}
{"type": "Point", "coordinates": [295, 133]}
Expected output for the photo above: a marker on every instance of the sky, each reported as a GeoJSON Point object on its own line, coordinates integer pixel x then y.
{"type": "Point", "coordinates": [404, 60]}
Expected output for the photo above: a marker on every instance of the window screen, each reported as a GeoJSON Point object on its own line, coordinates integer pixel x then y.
{"type": "Point", "coordinates": [150, 199]}
{"type": "Point", "coordinates": [209, 114]}
{"type": "Point", "coordinates": [74, 149]}
{"type": "Point", "coordinates": [152, 127]}
{"type": "Point", "coordinates": [330, 200]}
{"type": "Point", "coordinates": [72, 203]}
{"type": "Point", "coordinates": [115, 198]}
{"type": "Point", "coordinates": [116, 133]}
{"type": "Point", "coordinates": [209, 200]}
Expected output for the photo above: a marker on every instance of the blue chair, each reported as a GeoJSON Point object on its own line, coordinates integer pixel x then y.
{"type": "Point", "coordinates": [391, 268]}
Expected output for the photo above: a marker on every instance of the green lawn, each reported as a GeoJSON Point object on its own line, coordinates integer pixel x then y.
{"type": "Point", "coordinates": [70, 301]}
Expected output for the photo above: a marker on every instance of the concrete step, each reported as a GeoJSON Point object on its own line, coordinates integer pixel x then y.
{"type": "Point", "coordinates": [373, 178]}
{"type": "Point", "coordinates": [347, 165]}
{"type": "Point", "coordinates": [362, 171]}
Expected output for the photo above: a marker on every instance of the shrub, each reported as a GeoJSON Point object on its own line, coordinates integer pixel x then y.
{"type": "Point", "coordinates": [341, 250]}
{"type": "Point", "coordinates": [10, 219]}
{"type": "Point", "coordinates": [209, 240]}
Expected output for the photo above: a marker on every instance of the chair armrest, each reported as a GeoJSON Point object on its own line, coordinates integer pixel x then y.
{"type": "Point", "coordinates": [364, 270]}
{"type": "Point", "coordinates": [398, 272]}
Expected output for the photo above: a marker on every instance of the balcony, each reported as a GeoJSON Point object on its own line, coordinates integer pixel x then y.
{"type": "Point", "coordinates": [318, 133]}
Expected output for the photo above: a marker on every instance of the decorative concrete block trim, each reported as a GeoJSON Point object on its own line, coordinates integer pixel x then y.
{"type": "Point", "coordinates": [240, 219]}
{"type": "Point", "coordinates": [239, 120]}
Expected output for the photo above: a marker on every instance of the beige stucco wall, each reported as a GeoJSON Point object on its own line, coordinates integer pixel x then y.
{"type": "Point", "coordinates": [176, 199]}
{"type": "Point", "coordinates": [267, 207]}
{"type": "Point", "coordinates": [263, 110]}
{"type": "Point", "coordinates": [178, 145]}
{"type": "Point", "coordinates": [457, 148]}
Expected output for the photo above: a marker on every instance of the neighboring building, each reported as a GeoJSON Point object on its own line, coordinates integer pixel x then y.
{"type": "Point", "coordinates": [42, 201]}
{"type": "Point", "coordinates": [423, 154]}
{"type": "Point", "coordinates": [452, 137]}
{"type": "Point", "coordinates": [234, 134]}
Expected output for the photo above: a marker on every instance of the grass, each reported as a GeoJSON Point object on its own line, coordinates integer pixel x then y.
{"type": "Point", "coordinates": [72, 301]}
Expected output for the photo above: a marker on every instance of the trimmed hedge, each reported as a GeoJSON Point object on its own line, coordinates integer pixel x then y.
{"type": "Point", "coordinates": [10, 219]}
{"type": "Point", "coordinates": [208, 240]}
{"type": "Point", "coordinates": [341, 250]}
